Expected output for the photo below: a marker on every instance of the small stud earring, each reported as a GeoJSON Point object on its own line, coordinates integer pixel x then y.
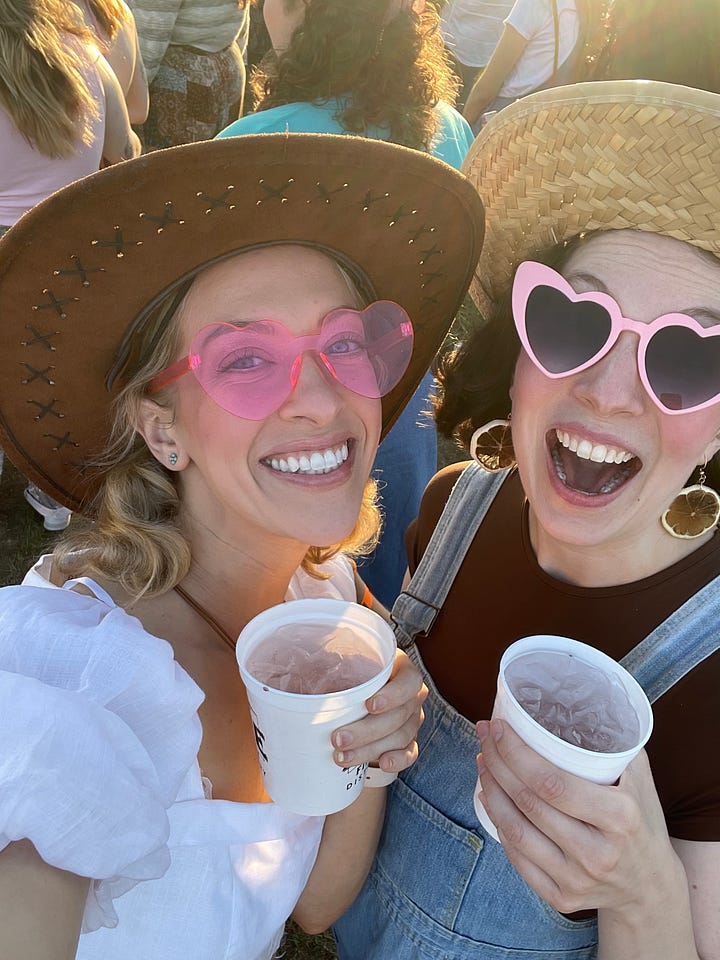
{"type": "Point", "coordinates": [173, 459]}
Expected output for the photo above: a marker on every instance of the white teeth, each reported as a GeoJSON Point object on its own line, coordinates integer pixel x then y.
{"type": "Point", "coordinates": [597, 452]}
{"type": "Point", "coordinates": [312, 462]}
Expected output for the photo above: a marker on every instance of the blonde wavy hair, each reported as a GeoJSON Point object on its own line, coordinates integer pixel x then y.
{"type": "Point", "coordinates": [42, 82]}
{"type": "Point", "coordinates": [136, 539]}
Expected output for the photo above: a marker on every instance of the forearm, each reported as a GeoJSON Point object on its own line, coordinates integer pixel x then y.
{"type": "Point", "coordinates": [346, 853]}
{"type": "Point", "coordinates": [658, 923]}
{"type": "Point", "coordinates": [483, 92]}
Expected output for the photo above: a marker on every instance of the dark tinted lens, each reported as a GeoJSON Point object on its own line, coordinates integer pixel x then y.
{"type": "Point", "coordinates": [683, 368]}
{"type": "Point", "coordinates": [564, 335]}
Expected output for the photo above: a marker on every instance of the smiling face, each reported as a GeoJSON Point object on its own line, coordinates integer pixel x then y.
{"type": "Point", "coordinates": [299, 474]}
{"type": "Point", "coordinates": [598, 459]}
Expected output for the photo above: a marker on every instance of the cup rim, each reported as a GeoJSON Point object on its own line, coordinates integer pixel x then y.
{"type": "Point", "coordinates": [328, 608]}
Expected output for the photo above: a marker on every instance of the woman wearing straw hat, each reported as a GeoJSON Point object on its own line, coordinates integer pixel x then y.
{"type": "Point", "coordinates": [593, 393]}
{"type": "Point", "coordinates": [134, 341]}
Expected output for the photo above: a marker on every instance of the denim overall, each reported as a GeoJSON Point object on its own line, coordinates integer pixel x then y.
{"type": "Point", "coordinates": [440, 888]}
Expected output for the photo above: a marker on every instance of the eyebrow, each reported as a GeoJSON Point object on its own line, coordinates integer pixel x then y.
{"type": "Point", "coordinates": [705, 316]}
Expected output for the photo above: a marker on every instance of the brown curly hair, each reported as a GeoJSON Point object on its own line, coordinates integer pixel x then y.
{"type": "Point", "coordinates": [389, 74]}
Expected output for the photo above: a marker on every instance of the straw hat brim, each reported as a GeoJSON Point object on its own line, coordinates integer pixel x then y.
{"type": "Point", "coordinates": [80, 268]}
{"type": "Point", "coordinates": [625, 154]}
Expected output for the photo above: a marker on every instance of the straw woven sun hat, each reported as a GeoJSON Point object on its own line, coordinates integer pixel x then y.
{"type": "Point", "coordinates": [614, 155]}
{"type": "Point", "coordinates": [80, 273]}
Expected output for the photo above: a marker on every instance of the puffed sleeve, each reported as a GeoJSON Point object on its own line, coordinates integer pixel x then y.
{"type": "Point", "coordinates": [98, 729]}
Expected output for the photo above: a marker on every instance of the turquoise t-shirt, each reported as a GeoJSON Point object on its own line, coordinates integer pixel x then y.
{"type": "Point", "coordinates": [451, 143]}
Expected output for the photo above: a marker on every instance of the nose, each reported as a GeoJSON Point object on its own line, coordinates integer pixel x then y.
{"type": "Point", "coordinates": [317, 395]}
{"type": "Point", "coordinates": [612, 385]}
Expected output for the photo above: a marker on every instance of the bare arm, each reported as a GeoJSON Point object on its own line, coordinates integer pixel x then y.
{"type": "Point", "coordinates": [137, 95]}
{"type": "Point", "coordinates": [121, 142]}
{"type": "Point", "coordinates": [702, 868]}
{"type": "Point", "coordinates": [41, 907]}
{"type": "Point", "coordinates": [487, 86]}
{"type": "Point", "coordinates": [350, 837]}
{"type": "Point", "coordinates": [581, 845]}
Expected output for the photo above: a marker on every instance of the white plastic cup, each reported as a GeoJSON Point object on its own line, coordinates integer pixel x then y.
{"type": "Point", "coordinates": [588, 764]}
{"type": "Point", "coordinates": [292, 730]}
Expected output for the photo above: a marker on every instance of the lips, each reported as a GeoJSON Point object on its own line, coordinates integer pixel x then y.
{"type": "Point", "coordinates": [593, 469]}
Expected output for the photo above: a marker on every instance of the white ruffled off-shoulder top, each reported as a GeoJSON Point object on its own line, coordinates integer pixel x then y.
{"type": "Point", "coordinates": [99, 769]}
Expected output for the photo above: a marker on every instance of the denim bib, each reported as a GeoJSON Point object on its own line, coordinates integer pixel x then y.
{"type": "Point", "coordinates": [440, 888]}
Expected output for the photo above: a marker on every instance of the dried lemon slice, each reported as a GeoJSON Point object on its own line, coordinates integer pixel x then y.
{"type": "Point", "coordinates": [694, 511]}
{"type": "Point", "coordinates": [491, 445]}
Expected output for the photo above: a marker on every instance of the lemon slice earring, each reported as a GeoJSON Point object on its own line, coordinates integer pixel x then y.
{"type": "Point", "coordinates": [491, 446]}
{"type": "Point", "coordinates": [694, 511]}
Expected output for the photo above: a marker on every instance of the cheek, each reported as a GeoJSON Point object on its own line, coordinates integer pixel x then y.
{"type": "Point", "coordinates": [691, 439]}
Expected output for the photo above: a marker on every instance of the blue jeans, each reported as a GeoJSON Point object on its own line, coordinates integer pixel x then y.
{"type": "Point", "coordinates": [405, 462]}
{"type": "Point", "coordinates": [440, 887]}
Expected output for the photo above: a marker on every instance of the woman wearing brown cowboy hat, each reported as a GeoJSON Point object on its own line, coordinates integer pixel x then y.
{"type": "Point", "coordinates": [593, 391]}
{"type": "Point", "coordinates": [151, 379]}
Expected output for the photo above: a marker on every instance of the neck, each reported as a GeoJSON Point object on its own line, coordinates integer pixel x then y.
{"type": "Point", "coordinates": [609, 565]}
{"type": "Point", "coordinates": [233, 578]}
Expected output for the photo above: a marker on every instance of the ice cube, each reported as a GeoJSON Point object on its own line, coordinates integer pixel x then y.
{"type": "Point", "coordinates": [574, 700]}
{"type": "Point", "coordinates": [310, 659]}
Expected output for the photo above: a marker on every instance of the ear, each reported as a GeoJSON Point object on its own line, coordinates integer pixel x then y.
{"type": "Point", "coordinates": [155, 425]}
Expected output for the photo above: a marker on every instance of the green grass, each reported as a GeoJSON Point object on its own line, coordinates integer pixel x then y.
{"type": "Point", "coordinates": [24, 539]}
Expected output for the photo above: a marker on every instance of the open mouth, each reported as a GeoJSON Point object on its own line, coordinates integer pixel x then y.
{"type": "Point", "coordinates": [309, 461]}
{"type": "Point", "coordinates": [593, 469]}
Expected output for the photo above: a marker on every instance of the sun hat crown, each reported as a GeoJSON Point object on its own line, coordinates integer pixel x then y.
{"type": "Point", "coordinates": [611, 155]}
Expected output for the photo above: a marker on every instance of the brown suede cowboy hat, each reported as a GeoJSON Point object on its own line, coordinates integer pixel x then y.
{"type": "Point", "coordinates": [80, 272]}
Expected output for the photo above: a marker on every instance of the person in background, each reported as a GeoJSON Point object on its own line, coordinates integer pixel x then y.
{"type": "Point", "coordinates": [472, 29]}
{"type": "Point", "coordinates": [113, 24]}
{"type": "Point", "coordinates": [373, 68]}
{"type": "Point", "coordinates": [655, 40]}
{"type": "Point", "coordinates": [193, 54]}
{"type": "Point", "coordinates": [539, 45]}
{"type": "Point", "coordinates": [218, 322]}
{"type": "Point", "coordinates": [590, 402]}
{"type": "Point", "coordinates": [62, 115]}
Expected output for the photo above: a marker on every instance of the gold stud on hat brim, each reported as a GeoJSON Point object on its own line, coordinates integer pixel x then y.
{"type": "Point", "coordinates": [620, 154]}
{"type": "Point", "coordinates": [412, 224]}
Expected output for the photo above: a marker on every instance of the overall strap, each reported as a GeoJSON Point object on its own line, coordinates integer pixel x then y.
{"type": "Point", "coordinates": [417, 606]}
{"type": "Point", "coordinates": [685, 639]}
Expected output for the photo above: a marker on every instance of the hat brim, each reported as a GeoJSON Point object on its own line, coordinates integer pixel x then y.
{"type": "Point", "coordinates": [78, 270]}
{"type": "Point", "coordinates": [613, 155]}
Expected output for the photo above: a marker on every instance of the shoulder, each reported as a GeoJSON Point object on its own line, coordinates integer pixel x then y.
{"type": "Point", "coordinates": [527, 16]}
{"type": "Point", "coordinates": [432, 505]}
{"type": "Point", "coordinates": [338, 581]}
{"type": "Point", "coordinates": [289, 117]}
{"type": "Point", "coordinates": [454, 136]}
{"type": "Point", "coordinates": [100, 728]}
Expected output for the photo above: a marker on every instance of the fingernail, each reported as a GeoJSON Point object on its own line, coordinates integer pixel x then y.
{"type": "Point", "coordinates": [481, 765]}
{"type": "Point", "coordinates": [483, 729]}
{"type": "Point", "coordinates": [344, 756]}
{"type": "Point", "coordinates": [343, 738]}
{"type": "Point", "coordinates": [377, 703]}
{"type": "Point", "coordinates": [496, 728]}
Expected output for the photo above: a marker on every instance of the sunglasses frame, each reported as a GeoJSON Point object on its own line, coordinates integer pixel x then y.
{"type": "Point", "coordinates": [530, 274]}
{"type": "Point", "coordinates": [303, 343]}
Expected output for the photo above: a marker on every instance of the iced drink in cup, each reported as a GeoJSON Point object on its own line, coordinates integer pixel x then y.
{"type": "Point", "coordinates": [574, 705]}
{"type": "Point", "coordinates": [309, 666]}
